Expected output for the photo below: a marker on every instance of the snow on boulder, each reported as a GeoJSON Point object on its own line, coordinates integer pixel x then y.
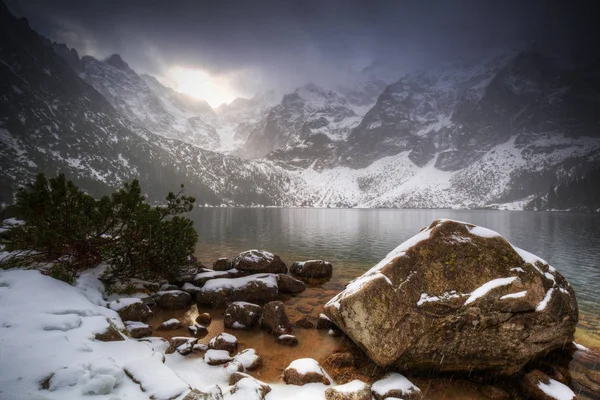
{"type": "Point", "coordinates": [246, 387]}
{"type": "Point", "coordinates": [538, 386]}
{"type": "Point", "coordinates": [303, 371]}
{"type": "Point", "coordinates": [259, 261]}
{"type": "Point", "coordinates": [156, 379]}
{"type": "Point", "coordinates": [312, 269]}
{"type": "Point", "coordinates": [138, 329]}
{"type": "Point", "coordinates": [131, 309]}
{"type": "Point", "coordinates": [249, 359]}
{"type": "Point", "coordinates": [457, 297]}
{"type": "Point", "coordinates": [173, 299]}
{"type": "Point", "coordinates": [224, 341]}
{"type": "Point", "coordinates": [220, 292]}
{"type": "Point", "coordinates": [170, 325]}
{"type": "Point", "coordinates": [354, 390]}
{"type": "Point", "coordinates": [217, 357]}
{"type": "Point", "coordinates": [395, 385]}
{"type": "Point", "coordinates": [242, 315]}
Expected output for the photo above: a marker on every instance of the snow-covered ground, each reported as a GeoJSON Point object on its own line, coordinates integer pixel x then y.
{"type": "Point", "coordinates": [47, 331]}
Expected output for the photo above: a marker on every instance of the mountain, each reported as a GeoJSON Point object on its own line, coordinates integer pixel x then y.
{"type": "Point", "coordinates": [52, 121]}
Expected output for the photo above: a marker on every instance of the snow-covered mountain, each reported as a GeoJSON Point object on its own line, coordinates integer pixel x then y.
{"type": "Point", "coordinates": [516, 130]}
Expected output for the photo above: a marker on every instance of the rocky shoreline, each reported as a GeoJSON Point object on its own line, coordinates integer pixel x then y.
{"type": "Point", "coordinates": [454, 301]}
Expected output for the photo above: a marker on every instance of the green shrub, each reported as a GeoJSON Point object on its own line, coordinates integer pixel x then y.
{"type": "Point", "coordinates": [65, 225]}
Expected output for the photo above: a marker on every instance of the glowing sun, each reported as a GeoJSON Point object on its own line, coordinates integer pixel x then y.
{"type": "Point", "coordinates": [215, 90]}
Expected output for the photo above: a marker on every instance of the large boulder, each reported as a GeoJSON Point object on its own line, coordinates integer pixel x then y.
{"type": "Point", "coordinates": [220, 292]}
{"type": "Point", "coordinates": [241, 315]}
{"type": "Point", "coordinates": [259, 261]}
{"type": "Point", "coordinates": [312, 269]}
{"type": "Point", "coordinates": [275, 320]}
{"type": "Point", "coordinates": [457, 297]}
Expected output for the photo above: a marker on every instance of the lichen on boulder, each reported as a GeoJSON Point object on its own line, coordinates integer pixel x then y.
{"type": "Point", "coordinates": [457, 297]}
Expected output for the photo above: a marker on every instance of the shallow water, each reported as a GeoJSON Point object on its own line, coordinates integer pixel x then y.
{"type": "Point", "coordinates": [355, 240]}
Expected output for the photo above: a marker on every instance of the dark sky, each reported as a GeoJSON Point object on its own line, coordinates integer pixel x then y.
{"type": "Point", "coordinates": [256, 45]}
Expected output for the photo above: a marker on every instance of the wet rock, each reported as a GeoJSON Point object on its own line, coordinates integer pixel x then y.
{"type": "Point", "coordinates": [395, 385]}
{"type": "Point", "coordinates": [137, 329]}
{"type": "Point", "coordinates": [312, 269]}
{"type": "Point", "coordinates": [354, 390]}
{"type": "Point", "coordinates": [219, 292]}
{"type": "Point", "coordinates": [287, 340]}
{"type": "Point", "coordinates": [344, 359]}
{"type": "Point", "coordinates": [259, 261]}
{"type": "Point", "coordinates": [325, 323]}
{"type": "Point", "coordinates": [224, 341]}
{"type": "Point", "coordinates": [249, 359]}
{"type": "Point", "coordinates": [287, 284]}
{"type": "Point", "coordinates": [274, 319]}
{"type": "Point", "coordinates": [539, 386]}
{"type": "Point", "coordinates": [222, 264]}
{"type": "Point", "coordinates": [212, 393]}
{"type": "Point", "coordinates": [173, 300]}
{"type": "Point", "coordinates": [170, 325]}
{"type": "Point", "coordinates": [305, 308]}
{"type": "Point", "coordinates": [494, 392]}
{"type": "Point", "coordinates": [217, 357]}
{"type": "Point", "coordinates": [303, 371]}
{"type": "Point", "coordinates": [131, 309]}
{"type": "Point", "coordinates": [248, 388]}
{"type": "Point", "coordinates": [198, 330]}
{"type": "Point", "coordinates": [305, 322]}
{"type": "Point", "coordinates": [242, 315]}
{"type": "Point", "coordinates": [469, 301]}
{"type": "Point", "coordinates": [177, 341]}
{"type": "Point", "coordinates": [204, 319]}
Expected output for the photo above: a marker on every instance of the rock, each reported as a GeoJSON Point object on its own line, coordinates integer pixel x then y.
{"type": "Point", "coordinates": [191, 289]}
{"type": "Point", "coordinates": [325, 323]}
{"type": "Point", "coordinates": [242, 315]}
{"type": "Point", "coordinates": [110, 334]}
{"type": "Point", "coordinates": [494, 392]}
{"type": "Point", "coordinates": [138, 329]}
{"type": "Point", "coordinates": [173, 300]}
{"type": "Point", "coordinates": [259, 261]}
{"type": "Point", "coordinates": [312, 269]}
{"type": "Point", "coordinates": [131, 309]}
{"type": "Point", "coordinates": [234, 366]}
{"type": "Point", "coordinates": [187, 274]}
{"type": "Point", "coordinates": [274, 319]}
{"type": "Point", "coordinates": [248, 388]}
{"type": "Point", "coordinates": [287, 284]}
{"type": "Point", "coordinates": [177, 341]}
{"type": "Point", "coordinates": [224, 341]}
{"type": "Point", "coordinates": [538, 386]}
{"type": "Point", "coordinates": [200, 347]}
{"type": "Point", "coordinates": [354, 390]}
{"type": "Point", "coordinates": [219, 292]}
{"type": "Point", "coordinates": [217, 357]}
{"type": "Point", "coordinates": [204, 319]}
{"type": "Point", "coordinates": [222, 264]}
{"type": "Point", "coordinates": [170, 325]}
{"type": "Point", "coordinates": [249, 359]}
{"type": "Point", "coordinates": [345, 359]}
{"type": "Point", "coordinates": [168, 286]}
{"type": "Point", "coordinates": [305, 308]}
{"type": "Point", "coordinates": [303, 371]}
{"type": "Point", "coordinates": [469, 300]}
{"type": "Point", "coordinates": [198, 330]}
{"type": "Point", "coordinates": [395, 385]}
{"type": "Point", "coordinates": [305, 322]}
{"type": "Point", "coordinates": [287, 340]}
{"type": "Point", "coordinates": [211, 393]}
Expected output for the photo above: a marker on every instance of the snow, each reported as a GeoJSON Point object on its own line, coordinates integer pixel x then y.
{"type": "Point", "coordinates": [580, 347]}
{"type": "Point", "coordinates": [156, 379]}
{"type": "Point", "coordinates": [305, 366]}
{"type": "Point", "coordinates": [394, 381]}
{"type": "Point", "coordinates": [528, 257]}
{"type": "Point", "coordinates": [247, 357]}
{"type": "Point", "coordinates": [121, 303]}
{"type": "Point", "coordinates": [517, 295]}
{"type": "Point", "coordinates": [227, 337]}
{"type": "Point", "coordinates": [483, 232]}
{"type": "Point", "coordinates": [556, 390]}
{"type": "Point", "coordinates": [544, 303]}
{"type": "Point", "coordinates": [217, 355]}
{"type": "Point", "coordinates": [425, 298]}
{"type": "Point", "coordinates": [485, 288]}
{"type": "Point", "coordinates": [269, 280]}
{"type": "Point", "coordinates": [351, 387]}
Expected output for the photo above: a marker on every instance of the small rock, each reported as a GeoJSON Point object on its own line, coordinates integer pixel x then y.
{"type": "Point", "coordinates": [275, 320]}
{"type": "Point", "coordinates": [538, 386]}
{"type": "Point", "coordinates": [354, 390]}
{"type": "Point", "coordinates": [313, 269]}
{"type": "Point", "coordinates": [345, 359]}
{"type": "Point", "coordinates": [287, 284]}
{"type": "Point", "coordinates": [212, 393]}
{"type": "Point", "coordinates": [185, 349]}
{"type": "Point", "coordinates": [305, 323]}
{"type": "Point", "coordinates": [222, 264]}
{"type": "Point", "coordinates": [224, 341]}
{"type": "Point", "coordinates": [137, 329]}
{"type": "Point", "coordinates": [395, 385]}
{"type": "Point", "coordinates": [249, 359]}
{"type": "Point", "coordinates": [177, 341]}
{"type": "Point", "coordinates": [234, 366]}
{"type": "Point", "coordinates": [111, 334]}
{"type": "Point", "coordinates": [204, 319]}
{"type": "Point", "coordinates": [173, 300]}
{"type": "Point", "coordinates": [250, 387]}
{"type": "Point", "coordinates": [303, 371]}
{"type": "Point", "coordinates": [170, 325]}
{"type": "Point", "coordinates": [217, 357]}
{"type": "Point", "coordinates": [242, 315]}
{"type": "Point", "coordinates": [131, 309]}
{"type": "Point", "coordinates": [198, 330]}
{"type": "Point", "coordinates": [287, 340]}
{"type": "Point", "coordinates": [200, 347]}
{"type": "Point", "coordinates": [494, 392]}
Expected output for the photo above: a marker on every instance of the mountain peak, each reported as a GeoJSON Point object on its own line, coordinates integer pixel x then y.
{"type": "Point", "coordinates": [116, 61]}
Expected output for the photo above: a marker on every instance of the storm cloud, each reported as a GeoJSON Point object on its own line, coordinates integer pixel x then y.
{"type": "Point", "coordinates": [257, 45]}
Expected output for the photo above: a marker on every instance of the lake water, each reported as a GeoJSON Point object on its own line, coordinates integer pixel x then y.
{"type": "Point", "coordinates": [356, 239]}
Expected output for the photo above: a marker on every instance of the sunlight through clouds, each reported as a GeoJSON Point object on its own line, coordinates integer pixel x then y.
{"type": "Point", "coordinates": [215, 90]}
